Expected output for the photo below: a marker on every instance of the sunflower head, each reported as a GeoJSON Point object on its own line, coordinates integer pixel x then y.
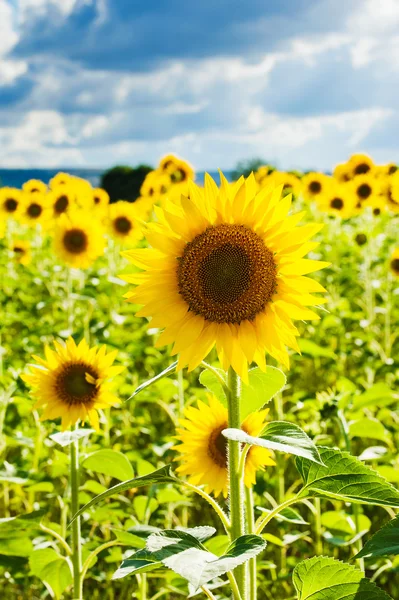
{"type": "Point", "coordinates": [10, 202]}
{"type": "Point", "coordinates": [361, 164]}
{"type": "Point", "coordinates": [291, 184]}
{"type": "Point", "coordinates": [262, 174]}
{"type": "Point", "coordinates": [226, 267]}
{"type": "Point", "coordinates": [182, 173]}
{"type": "Point", "coordinates": [168, 163]}
{"type": "Point", "coordinates": [123, 222]}
{"type": "Point", "coordinates": [59, 180]}
{"type": "Point", "coordinates": [343, 173]}
{"type": "Point", "coordinates": [202, 450]}
{"type": "Point", "coordinates": [155, 185]}
{"type": "Point", "coordinates": [78, 239]}
{"type": "Point", "coordinates": [394, 264]}
{"type": "Point", "coordinates": [34, 186]}
{"type": "Point", "coordinates": [62, 199]}
{"type": "Point", "coordinates": [73, 382]}
{"type": "Point", "coordinates": [35, 209]}
{"type": "Point", "coordinates": [391, 192]}
{"type": "Point", "coordinates": [100, 200]}
{"type": "Point", "coordinates": [314, 185]}
{"type": "Point", "coordinates": [20, 250]}
{"type": "Point", "coordinates": [365, 188]}
{"type": "Point", "coordinates": [338, 200]}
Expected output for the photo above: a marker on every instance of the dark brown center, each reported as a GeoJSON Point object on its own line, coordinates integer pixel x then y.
{"type": "Point", "coordinates": [97, 200]}
{"type": "Point", "coordinates": [35, 210]}
{"type": "Point", "coordinates": [19, 250]}
{"type": "Point", "coordinates": [72, 386]}
{"type": "Point", "coordinates": [337, 203]}
{"type": "Point", "coordinates": [361, 239]}
{"type": "Point", "coordinates": [392, 169]}
{"type": "Point", "coordinates": [361, 169]}
{"type": "Point", "coordinates": [10, 205]}
{"type": "Point", "coordinates": [226, 274]}
{"type": "Point", "coordinates": [376, 211]}
{"type": "Point", "coordinates": [364, 191]}
{"type": "Point", "coordinates": [217, 447]}
{"type": "Point", "coordinates": [123, 225]}
{"type": "Point", "coordinates": [75, 241]}
{"type": "Point", "coordinates": [315, 187]}
{"type": "Point", "coordinates": [395, 265]}
{"type": "Point", "coordinates": [61, 204]}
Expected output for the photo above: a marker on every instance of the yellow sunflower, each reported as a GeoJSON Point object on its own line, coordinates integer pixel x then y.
{"type": "Point", "coordinates": [314, 185]}
{"type": "Point", "coordinates": [123, 222]}
{"type": "Point", "coordinates": [182, 173]}
{"type": "Point", "coordinates": [203, 448]}
{"type": "Point", "coordinates": [34, 185]}
{"type": "Point", "coordinates": [377, 205]}
{"type": "Point", "coordinates": [21, 252]}
{"type": "Point", "coordinates": [35, 210]}
{"type": "Point", "coordinates": [59, 180]}
{"type": "Point", "coordinates": [168, 163]}
{"type": "Point", "coordinates": [338, 200]}
{"type": "Point", "coordinates": [365, 188]}
{"type": "Point", "coordinates": [343, 172]}
{"type": "Point", "coordinates": [291, 184]}
{"type": "Point", "coordinates": [10, 202]}
{"type": "Point", "coordinates": [78, 239]}
{"type": "Point", "coordinates": [73, 382]}
{"type": "Point", "coordinates": [155, 185]}
{"type": "Point", "coordinates": [100, 200]}
{"type": "Point", "coordinates": [361, 164]}
{"type": "Point", "coordinates": [62, 199]}
{"type": "Point", "coordinates": [227, 268]}
{"type": "Point", "coordinates": [262, 175]}
{"type": "Point", "coordinates": [392, 193]}
{"type": "Point", "coordinates": [394, 264]}
{"type": "Point", "coordinates": [386, 170]}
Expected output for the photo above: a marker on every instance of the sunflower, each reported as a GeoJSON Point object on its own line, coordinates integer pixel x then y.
{"type": "Point", "coordinates": [338, 200]}
{"type": "Point", "coordinates": [155, 185]}
{"type": "Point", "coordinates": [72, 383]}
{"type": "Point", "coordinates": [78, 239]}
{"type": "Point", "coordinates": [34, 185]}
{"type": "Point", "coordinates": [394, 264]}
{"type": "Point", "coordinates": [386, 170]}
{"type": "Point", "coordinates": [392, 193]}
{"type": "Point", "coordinates": [123, 222]}
{"type": "Point", "coordinates": [226, 268]}
{"type": "Point", "coordinates": [361, 164]}
{"type": "Point", "coordinates": [365, 188]}
{"type": "Point", "coordinates": [262, 174]}
{"type": "Point", "coordinates": [168, 163]}
{"type": "Point", "coordinates": [378, 205]}
{"type": "Point", "coordinates": [35, 210]}
{"type": "Point", "coordinates": [59, 180]}
{"type": "Point", "coordinates": [62, 198]}
{"type": "Point", "coordinates": [343, 172]}
{"type": "Point", "coordinates": [203, 448]}
{"type": "Point", "coordinates": [314, 185]}
{"type": "Point", "coordinates": [182, 173]}
{"type": "Point", "coordinates": [10, 202]}
{"type": "Point", "coordinates": [100, 200]}
{"type": "Point", "coordinates": [291, 184]}
{"type": "Point", "coordinates": [21, 252]}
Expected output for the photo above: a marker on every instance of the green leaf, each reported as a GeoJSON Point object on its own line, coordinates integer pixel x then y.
{"type": "Point", "coordinates": [324, 578]}
{"type": "Point", "coordinates": [162, 475]}
{"type": "Point", "coordinates": [28, 521]}
{"type": "Point", "coordinates": [65, 438]}
{"type": "Point", "coordinates": [383, 543]}
{"type": "Point", "coordinates": [368, 428]}
{"type": "Point", "coordinates": [261, 388]}
{"type": "Point", "coordinates": [15, 546]}
{"type": "Point", "coordinates": [287, 514]}
{"type": "Point", "coordinates": [149, 382]}
{"type": "Point", "coordinates": [142, 561]}
{"type": "Point", "coordinates": [211, 382]}
{"type": "Point", "coordinates": [311, 349]}
{"type": "Point", "coordinates": [51, 568]}
{"type": "Point", "coordinates": [345, 477]}
{"type": "Point", "coordinates": [109, 462]}
{"type": "Point", "coordinates": [342, 529]}
{"type": "Point", "coordinates": [128, 539]}
{"type": "Point", "coordinates": [379, 395]}
{"type": "Point", "coordinates": [281, 436]}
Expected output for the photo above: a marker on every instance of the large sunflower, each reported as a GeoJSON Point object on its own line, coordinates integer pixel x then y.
{"type": "Point", "coordinates": [10, 202]}
{"type": "Point", "coordinates": [227, 268]}
{"type": "Point", "coordinates": [78, 239]}
{"type": "Point", "coordinates": [33, 186]}
{"type": "Point", "coordinates": [123, 222]}
{"type": "Point", "coordinates": [72, 383]}
{"type": "Point", "coordinates": [203, 448]}
{"type": "Point", "coordinates": [314, 185]}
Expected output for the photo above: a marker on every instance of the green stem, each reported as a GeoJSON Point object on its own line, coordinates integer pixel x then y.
{"type": "Point", "coordinates": [216, 373]}
{"type": "Point", "coordinates": [249, 500]}
{"type": "Point", "coordinates": [317, 526]}
{"type": "Point", "coordinates": [76, 541]}
{"type": "Point", "coordinates": [263, 522]}
{"type": "Point", "coordinates": [93, 554]}
{"type": "Point", "coordinates": [211, 501]}
{"type": "Point", "coordinates": [234, 587]}
{"type": "Point", "coordinates": [236, 484]}
{"type": "Point", "coordinates": [58, 537]}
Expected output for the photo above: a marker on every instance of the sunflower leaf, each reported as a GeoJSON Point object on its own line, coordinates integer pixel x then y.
{"type": "Point", "coordinates": [261, 388]}
{"type": "Point", "coordinates": [65, 438]}
{"type": "Point", "coordinates": [281, 436]}
{"type": "Point", "coordinates": [52, 568]}
{"type": "Point", "coordinates": [109, 462]}
{"type": "Point", "coordinates": [211, 382]}
{"type": "Point", "coordinates": [149, 382]}
{"type": "Point", "coordinates": [162, 475]}
{"type": "Point", "coordinates": [345, 477]}
{"type": "Point", "coordinates": [322, 577]}
{"type": "Point", "coordinates": [383, 543]}
{"type": "Point", "coordinates": [141, 561]}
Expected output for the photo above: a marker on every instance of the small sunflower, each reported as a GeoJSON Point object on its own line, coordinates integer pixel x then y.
{"type": "Point", "coordinates": [100, 200]}
{"type": "Point", "coordinates": [365, 188]}
{"type": "Point", "coordinates": [182, 173]}
{"type": "Point", "coordinates": [78, 239]}
{"type": "Point", "coordinates": [314, 185]}
{"type": "Point", "coordinates": [386, 170]}
{"type": "Point", "coordinates": [73, 382]}
{"type": "Point", "coordinates": [123, 222]}
{"type": "Point", "coordinates": [155, 184]}
{"type": "Point", "coordinates": [59, 180]}
{"type": "Point", "coordinates": [62, 199]}
{"type": "Point", "coordinates": [392, 193]}
{"type": "Point", "coordinates": [361, 164]}
{"type": "Point", "coordinates": [291, 184]}
{"type": "Point", "coordinates": [227, 268]}
{"type": "Point", "coordinates": [338, 200]}
{"type": "Point", "coordinates": [377, 205]}
{"type": "Point", "coordinates": [35, 210]}
{"type": "Point", "coordinates": [394, 264]}
{"type": "Point", "coordinates": [262, 175]}
{"type": "Point", "coordinates": [343, 173]}
{"type": "Point", "coordinates": [168, 163]}
{"type": "Point", "coordinates": [33, 186]}
{"type": "Point", "coordinates": [203, 448]}
{"type": "Point", "coordinates": [21, 252]}
{"type": "Point", "coordinates": [10, 202]}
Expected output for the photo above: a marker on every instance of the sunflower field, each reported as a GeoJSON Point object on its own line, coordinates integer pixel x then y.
{"type": "Point", "coordinates": [199, 389]}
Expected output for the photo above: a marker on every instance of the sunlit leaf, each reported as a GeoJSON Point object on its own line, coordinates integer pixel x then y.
{"type": "Point", "coordinates": [109, 462]}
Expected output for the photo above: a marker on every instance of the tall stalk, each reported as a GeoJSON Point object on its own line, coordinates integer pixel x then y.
{"type": "Point", "coordinates": [76, 537]}
{"type": "Point", "coordinates": [236, 484]}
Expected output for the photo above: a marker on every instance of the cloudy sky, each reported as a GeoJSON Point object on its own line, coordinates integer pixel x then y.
{"type": "Point", "coordinates": [301, 83]}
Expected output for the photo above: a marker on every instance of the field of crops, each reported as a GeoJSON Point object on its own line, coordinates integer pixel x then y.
{"type": "Point", "coordinates": [199, 390]}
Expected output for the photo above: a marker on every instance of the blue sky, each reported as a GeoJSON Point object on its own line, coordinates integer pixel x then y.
{"type": "Point", "coordinates": [301, 83]}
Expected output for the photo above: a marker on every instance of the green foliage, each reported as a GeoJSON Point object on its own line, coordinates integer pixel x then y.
{"type": "Point", "coordinates": [383, 543]}
{"type": "Point", "coordinates": [51, 568]}
{"type": "Point", "coordinates": [124, 183]}
{"type": "Point", "coordinates": [109, 462]}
